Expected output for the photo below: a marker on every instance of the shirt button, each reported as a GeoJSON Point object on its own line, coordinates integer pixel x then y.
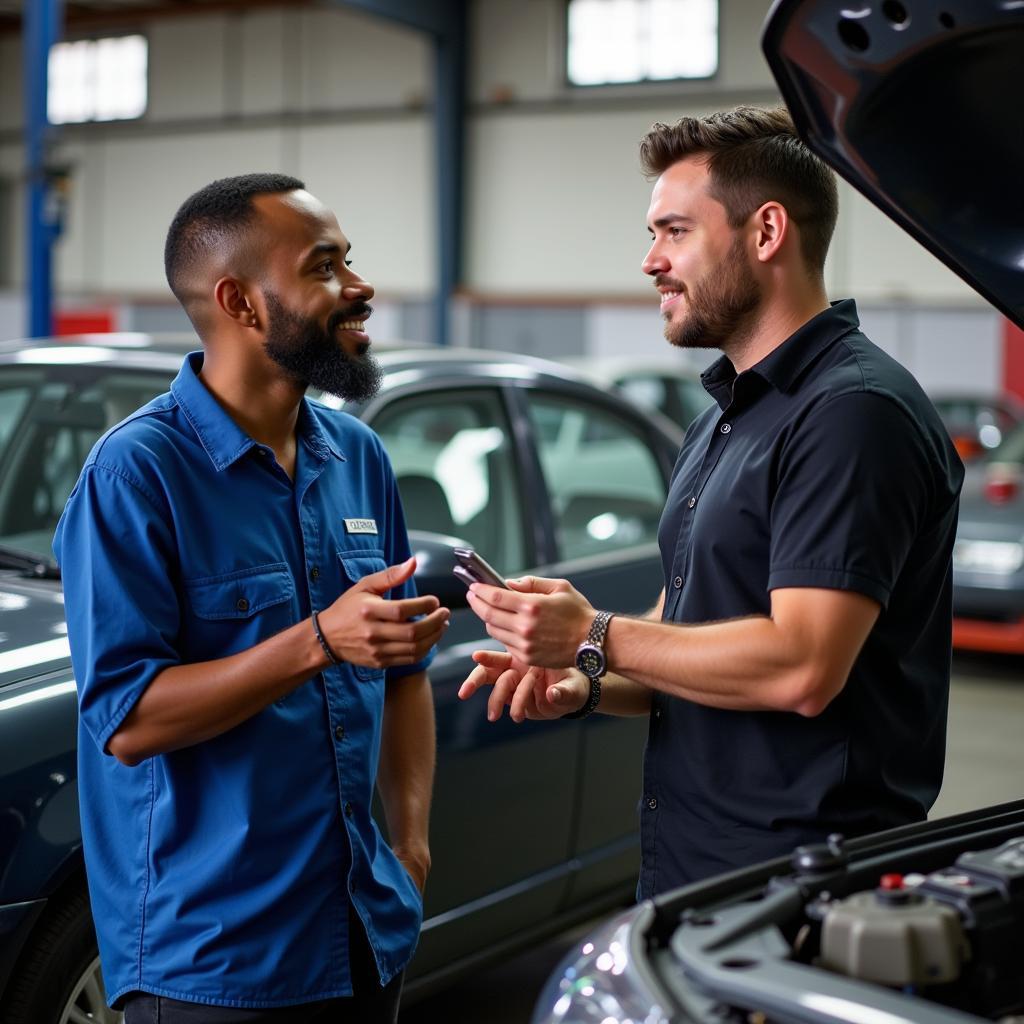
{"type": "Point", "coordinates": [678, 583]}
{"type": "Point", "coordinates": [725, 428]}
{"type": "Point", "coordinates": [657, 712]}
{"type": "Point", "coordinates": [242, 605]}
{"type": "Point", "coordinates": [314, 573]}
{"type": "Point", "coordinates": [348, 810]}
{"type": "Point", "coordinates": [652, 803]}
{"type": "Point", "coordinates": [339, 732]}
{"type": "Point", "coordinates": [691, 503]}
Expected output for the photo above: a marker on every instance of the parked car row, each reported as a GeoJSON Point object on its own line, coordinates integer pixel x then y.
{"type": "Point", "coordinates": [519, 458]}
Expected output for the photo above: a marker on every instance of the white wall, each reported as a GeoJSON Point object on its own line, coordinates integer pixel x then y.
{"type": "Point", "coordinates": [555, 201]}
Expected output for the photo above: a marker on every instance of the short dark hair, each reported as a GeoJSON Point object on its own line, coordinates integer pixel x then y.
{"type": "Point", "coordinates": [211, 215]}
{"type": "Point", "coordinates": [754, 156]}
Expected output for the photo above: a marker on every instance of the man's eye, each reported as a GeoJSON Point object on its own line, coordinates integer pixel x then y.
{"type": "Point", "coordinates": [348, 263]}
{"type": "Point", "coordinates": [327, 266]}
{"type": "Point", "coordinates": [676, 232]}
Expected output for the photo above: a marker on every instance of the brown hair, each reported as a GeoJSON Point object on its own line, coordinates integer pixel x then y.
{"type": "Point", "coordinates": [754, 156]}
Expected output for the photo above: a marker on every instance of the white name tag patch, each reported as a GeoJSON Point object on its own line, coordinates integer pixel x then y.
{"type": "Point", "coordinates": [360, 525]}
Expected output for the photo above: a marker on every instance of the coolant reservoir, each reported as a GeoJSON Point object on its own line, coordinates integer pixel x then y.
{"type": "Point", "coordinates": [893, 936]}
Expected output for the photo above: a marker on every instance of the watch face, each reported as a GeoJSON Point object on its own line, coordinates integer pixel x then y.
{"type": "Point", "coordinates": [590, 661]}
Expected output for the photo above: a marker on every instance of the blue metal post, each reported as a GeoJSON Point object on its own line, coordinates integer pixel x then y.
{"type": "Point", "coordinates": [449, 163]}
{"type": "Point", "coordinates": [42, 21]}
{"type": "Point", "coordinates": [445, 22]}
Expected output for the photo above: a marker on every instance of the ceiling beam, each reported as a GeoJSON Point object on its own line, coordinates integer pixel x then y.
{"type": "Point", "coordinates": [82, 18]}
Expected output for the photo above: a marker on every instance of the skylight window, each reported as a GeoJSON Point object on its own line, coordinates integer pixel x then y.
{"type": "Point", "coordinates": [613, 42]}
{"type": "Point", "coordinates": [97, 80]}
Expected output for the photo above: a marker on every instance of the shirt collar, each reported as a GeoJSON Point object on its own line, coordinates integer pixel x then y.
{"type": "Point", "coordinates": [784, 364]}
{"type": "Point", "coordinates": [222, 438]}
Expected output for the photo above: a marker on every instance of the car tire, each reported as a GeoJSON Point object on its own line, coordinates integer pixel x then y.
{"type": "Point", "coordinates": [57, 979]}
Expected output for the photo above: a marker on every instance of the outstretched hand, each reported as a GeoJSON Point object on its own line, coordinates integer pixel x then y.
{"type": "Point", "coordinates": [540, 621]}
{"type": "Point", "coordinates": [530, 692]}
{"type": "Point", "coordinates": [365, 628]}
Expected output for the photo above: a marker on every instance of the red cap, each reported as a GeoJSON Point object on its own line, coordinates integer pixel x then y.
{"type": "Point", "coordinates": [891, 882]}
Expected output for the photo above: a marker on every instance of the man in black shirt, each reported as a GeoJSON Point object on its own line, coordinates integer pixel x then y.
{"type": "Point", "coordinates": [796, 666]}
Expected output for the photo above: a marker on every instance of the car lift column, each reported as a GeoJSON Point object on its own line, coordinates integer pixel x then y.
{"type": "Point", "coordinates": [445, 22]}
{"type": "Point", "coordinates": [41, 28]}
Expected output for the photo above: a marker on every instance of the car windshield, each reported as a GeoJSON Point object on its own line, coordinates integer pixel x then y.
{"type": "Point", "coordinates": [50, 417]}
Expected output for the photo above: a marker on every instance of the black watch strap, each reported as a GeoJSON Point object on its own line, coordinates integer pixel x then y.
{"type": "Point", "coordinates": [592, 701]}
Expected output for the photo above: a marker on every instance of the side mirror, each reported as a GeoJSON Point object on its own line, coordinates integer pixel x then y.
{"type": "Point", "coordinates": [435, 560]}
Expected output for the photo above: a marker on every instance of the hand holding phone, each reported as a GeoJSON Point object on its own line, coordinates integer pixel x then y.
{"type": "Point", "coordinates": [472, 568]}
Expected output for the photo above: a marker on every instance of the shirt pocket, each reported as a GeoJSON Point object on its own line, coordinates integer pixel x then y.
{"type": "Point", "coordinates": [355, 564]}
{"type": "Point", "coordinates": [238, 609]}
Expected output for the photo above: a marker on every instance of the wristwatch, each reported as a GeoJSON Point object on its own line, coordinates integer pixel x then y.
{"type": "Point", "coordinates": [590, 656]}
{"type": "Point", "coordinates": [591, 661]}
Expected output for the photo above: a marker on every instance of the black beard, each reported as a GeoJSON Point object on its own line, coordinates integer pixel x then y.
{"type": "Point", "coordinates": [720, 305]}
{"type": "Point", "coordinates": [313, 357]}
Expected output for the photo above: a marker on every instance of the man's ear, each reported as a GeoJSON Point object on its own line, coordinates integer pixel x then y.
{"type": "Point", "coordinates": [233, 298]}
{"type": "Point", "coordinates": [772, 224]}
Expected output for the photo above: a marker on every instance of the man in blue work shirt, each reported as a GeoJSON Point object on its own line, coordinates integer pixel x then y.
{"type": "Point", "coordinates": [233, 707]}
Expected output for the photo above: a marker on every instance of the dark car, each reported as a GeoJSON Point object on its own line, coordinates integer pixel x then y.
{"type": "Point", "coordinates": [533, 827]}
{"type": "Point", "coordinates": [917, 103]}
{"type": "Point", "coordinates": [988, 558]}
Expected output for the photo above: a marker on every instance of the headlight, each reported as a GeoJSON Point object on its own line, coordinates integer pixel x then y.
{"type": "Point", "coordinates": [998, 556]}
{"type": "Point", "coordinates": [599, 982]}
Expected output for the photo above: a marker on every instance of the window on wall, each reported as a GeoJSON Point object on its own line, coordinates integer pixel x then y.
{"type": "Point", "coordinates": [614, 42]}
{"type": "Point", "coordinates": [98, 80]}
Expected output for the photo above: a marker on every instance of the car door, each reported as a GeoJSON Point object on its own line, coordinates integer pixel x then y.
{"type": "Point", "coordinates": [503, 795]}
{"type": "Point", "coordinates": [606, 474]}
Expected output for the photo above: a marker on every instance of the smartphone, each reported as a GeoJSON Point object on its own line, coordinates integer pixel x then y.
{"type": "Point", "coordinates": [472, 568]}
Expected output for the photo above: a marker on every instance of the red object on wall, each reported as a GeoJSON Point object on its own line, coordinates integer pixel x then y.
{"type": "Point", "coordinates": [88, 321]}
{"type": "Point", "coordinates": [1013, 359]}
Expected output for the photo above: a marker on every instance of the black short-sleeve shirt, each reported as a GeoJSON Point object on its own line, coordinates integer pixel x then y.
{"type": "Point", "coordinates": [825, 465]}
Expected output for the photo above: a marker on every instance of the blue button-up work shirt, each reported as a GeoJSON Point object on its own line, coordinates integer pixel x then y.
{"type": "Point", "coordinates": [222, 873]}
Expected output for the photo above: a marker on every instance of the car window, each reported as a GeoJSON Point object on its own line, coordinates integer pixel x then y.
{"type": "Point", "coordinates": [647, 392]}
{"type": "Point", "coordinates": [43, 448]}
{"type": "Point", "coordinates": [455, 463]}
{"type": "Point", "coordinates": [693, 399]}
{"type": "Point", "coordinates": [607, 490]}
{"type": "Point", "coordinates": [14, 396]}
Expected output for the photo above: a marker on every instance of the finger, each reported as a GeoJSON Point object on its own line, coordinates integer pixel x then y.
{"type": "Point", "coordinates": [480, 676]}
{"type": "Point", "coordinates": [538, 585]}
{"type": "Point", "coordinates": [511, 641]}
{"type": "Point", "coordinates": [495, 597]}
{"type": "Point", "coordinates": [430, 625]}
{"type": "Point", "coordinates": [501, 693]}
{"type": "Point", "coordinates": [493, 659]}
{"type": "Point", "coordinates": [522, 699]}
{"type": "Point", "coordinates": [393, 576]}
{"type": "Point", "coordinates": [492, 614]}
{"type": "Point", "coordinates": [407, 608]}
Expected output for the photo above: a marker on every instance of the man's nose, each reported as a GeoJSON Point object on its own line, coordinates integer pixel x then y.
{"type": "Point", "coordinates": [655, 262]}
{"type": "Point", "coordinates": [356, 288]}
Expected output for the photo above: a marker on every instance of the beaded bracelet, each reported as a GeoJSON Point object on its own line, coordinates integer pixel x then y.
{"type": "Point", "coordinates": [331, 656]}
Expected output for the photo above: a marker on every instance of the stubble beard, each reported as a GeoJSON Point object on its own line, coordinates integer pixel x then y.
{"type": "Point", "coordinates": [721, 306]}
{"type": "Point", "coordinates": [313, 357]}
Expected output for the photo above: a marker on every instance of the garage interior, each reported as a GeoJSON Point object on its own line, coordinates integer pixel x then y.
{"type": "Point", "coordinates": [492, 203]}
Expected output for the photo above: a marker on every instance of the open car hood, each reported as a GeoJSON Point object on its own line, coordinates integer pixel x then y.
{"type": "Point", "coordinates": [918, 104]}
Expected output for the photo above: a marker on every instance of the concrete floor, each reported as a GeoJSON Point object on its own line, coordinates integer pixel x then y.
{"type": "Point", "coordinates": [984, 765]}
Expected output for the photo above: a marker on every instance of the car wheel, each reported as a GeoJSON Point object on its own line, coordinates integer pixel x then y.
{"type": "Point", "coordinates": [57, 979]}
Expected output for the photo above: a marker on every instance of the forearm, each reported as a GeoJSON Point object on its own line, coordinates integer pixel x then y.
{"type": "Point", "coordinates": [405, 776]}
{"type": "Point", "coordinates": [623, 697]}
{"type": "Point", "coordinates": [628, 697]}
{"type": "Point", "coordinates": [187, 704]}
{"type": "Point", "coordinates": [746, 664]}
